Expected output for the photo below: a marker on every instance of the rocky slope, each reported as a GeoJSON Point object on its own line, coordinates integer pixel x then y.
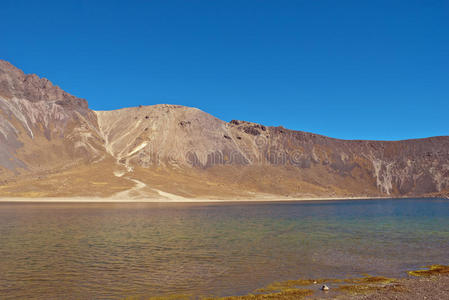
{"type": "Point", "coordinates": [52, 144]}
{"type": "Point", "coordinates": [41, 126]}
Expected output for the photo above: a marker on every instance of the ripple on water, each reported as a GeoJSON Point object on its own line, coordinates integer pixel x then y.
{"type": "Point", "coordinates": [115, 250]}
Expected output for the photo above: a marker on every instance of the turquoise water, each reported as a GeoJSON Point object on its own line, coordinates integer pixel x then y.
{"type": "Point", "coordinates": [82, 251]}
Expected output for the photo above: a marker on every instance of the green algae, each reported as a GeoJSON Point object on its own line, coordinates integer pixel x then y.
{"type": "Point", "coordinates": [431, 271]}
{"type": "Point", "coordinates": [365, 284]}
{"type": "Point", "coordinates": [167, 297]}
{"type": "Point", "coordinates": [368, 288]}
{"type": "Point", "coordinates": [357, 288]}
{"type": "Point", "coordinates": [172, 297]}
{"type": "Point", "coordinates": [289, 289]}
{"type": "Point", "coordinates": [283, 285]}
{"type": "Point", "coordinates": [369, 280]}
{"type": "Point", "coordinates": [286, 294]}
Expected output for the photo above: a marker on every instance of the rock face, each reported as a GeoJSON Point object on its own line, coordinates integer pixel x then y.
{"type": "Point", "coordinates": [185, 151]}
{"type": "Point", "coordinates": [41, 126]}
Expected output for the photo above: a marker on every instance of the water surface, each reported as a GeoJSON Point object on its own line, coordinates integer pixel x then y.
{"type": "Point", "coordinates": [91, 250]}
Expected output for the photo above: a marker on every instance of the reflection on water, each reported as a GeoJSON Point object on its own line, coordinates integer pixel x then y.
{"type": "Point", "coordinates": [115, 250]}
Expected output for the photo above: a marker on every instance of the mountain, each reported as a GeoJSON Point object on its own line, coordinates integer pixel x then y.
{"type": "Point", "coordinates": [53, 145]}
{"type": "Point", "coordinates": [41, 126]}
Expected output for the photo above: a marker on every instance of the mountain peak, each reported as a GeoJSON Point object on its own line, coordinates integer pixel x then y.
{"type": "Point", "coordinates": [15, 83]}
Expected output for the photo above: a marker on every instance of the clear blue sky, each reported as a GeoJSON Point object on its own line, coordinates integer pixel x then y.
{"type": "Point", "coordinates": [348, 69]}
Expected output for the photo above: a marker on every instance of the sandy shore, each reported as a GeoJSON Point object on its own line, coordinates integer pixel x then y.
{"type": "Point", "coordinates": [428, 283]}
{"type": "Point", "coordinates": [429, 288]}
{"type": "Point", "coordinates": [263, 198]}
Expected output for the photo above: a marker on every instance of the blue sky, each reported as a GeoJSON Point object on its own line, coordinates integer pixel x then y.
{"type": "Point", "coordinates": [346, 69]}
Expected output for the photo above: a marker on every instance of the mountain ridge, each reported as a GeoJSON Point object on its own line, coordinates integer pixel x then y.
{"type": "Point", "coordinates": [175, 152]}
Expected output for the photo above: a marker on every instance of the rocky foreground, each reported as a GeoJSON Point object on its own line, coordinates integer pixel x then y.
{"type": "Point", "coordinates": [431, 284]}
{"type": "Point", "coordinates": [53, 145]}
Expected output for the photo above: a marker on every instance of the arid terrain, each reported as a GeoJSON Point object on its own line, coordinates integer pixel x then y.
{"type": "Point", "coordinates": [53, 145]}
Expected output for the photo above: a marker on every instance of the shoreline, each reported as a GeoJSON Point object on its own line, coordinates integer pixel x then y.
{"type": "Point", "coordinates": [428, 282]}
{"type": "Point", "coordinates": [261, 199]}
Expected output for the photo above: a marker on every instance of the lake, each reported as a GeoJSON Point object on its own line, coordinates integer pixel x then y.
{"type": "Point", "coordinates": [92, 250]}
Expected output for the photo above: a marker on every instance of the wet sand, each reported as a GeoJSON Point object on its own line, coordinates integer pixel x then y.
{"type": "Point", "coordinates": [429, 288]}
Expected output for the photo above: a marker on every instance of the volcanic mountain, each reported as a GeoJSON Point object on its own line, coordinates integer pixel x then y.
{"type": "Point", "coordinates": [53, 145]}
